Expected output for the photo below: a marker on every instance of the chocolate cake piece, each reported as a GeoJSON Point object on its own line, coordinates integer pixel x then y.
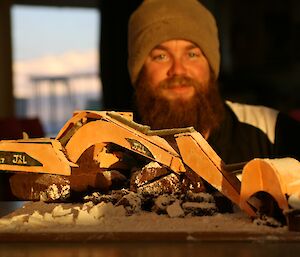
{"type": "Point", "coordinates": [199, 204]}
{"type": "Point", "coordinates": [40, 187]}
{"type": "Point", "coordinates": [49, 187]}
{"type": "Point", "coordinates": [132, 202]}
{"type": "Point", "coordinates": [153, 180]}
{"type": "Point", "coordinates": [113, 196]}
{"type": "Point", "coordinates": [199, 208]}
{"type": "Point", "coordinates": [199, 197]}
{"type": "Point", "coordinates": [147, 174]}
{"type": "Point", "coordinates": [162, 202]}
{"type": "Point", "coordinates": [169, 184]}
{"type": "Point", "coordinates": [97, 197]}
{"type": "Point", "coordinates": [118, 194]}
{"type": "Point", "coordinates": [265, 220]}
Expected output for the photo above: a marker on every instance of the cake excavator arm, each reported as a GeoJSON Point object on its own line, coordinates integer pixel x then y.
{"type": "Point", "coordinates": [86, 129]}
{"type": "Point", "coordinates": [197, 154]}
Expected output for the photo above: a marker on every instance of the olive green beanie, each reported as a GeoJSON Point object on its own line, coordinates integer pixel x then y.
{"type": "Point", "coordinates": [156, 21]}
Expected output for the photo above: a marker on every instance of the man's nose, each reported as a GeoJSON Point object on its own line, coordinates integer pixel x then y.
{"type": "Point", "coordinates": [177, 68]}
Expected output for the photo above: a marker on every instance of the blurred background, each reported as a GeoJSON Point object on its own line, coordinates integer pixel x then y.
{"type": "Point", "coordinates": [57, 56]}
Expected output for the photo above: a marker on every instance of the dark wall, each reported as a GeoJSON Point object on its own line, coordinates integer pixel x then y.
{"type": "Point", "coordinates": [117, 91]}
{"type": "Point", "coordinates": [259, 45]}
{"type": "Point", "coordinates": [264, 44]}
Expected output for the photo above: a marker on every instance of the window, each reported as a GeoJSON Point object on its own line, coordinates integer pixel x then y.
{"type": "Point", "coordinates": [55, 63]}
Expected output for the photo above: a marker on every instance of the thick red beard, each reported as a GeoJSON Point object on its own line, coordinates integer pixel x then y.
{"type": "Point", "coordinates": [204, 111]}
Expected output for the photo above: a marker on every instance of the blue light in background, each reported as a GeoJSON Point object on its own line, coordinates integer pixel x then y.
{"type": "Point", "coordinates": [39, 31]}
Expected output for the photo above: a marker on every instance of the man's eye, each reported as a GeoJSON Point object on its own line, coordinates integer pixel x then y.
{"type": "Point", "coordinates": [193, 54]}
{"type": "Point", "coordinates": [159, 57]}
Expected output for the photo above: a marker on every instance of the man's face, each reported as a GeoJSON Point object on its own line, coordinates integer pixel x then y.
{"type": "Point", "coordinates": [175, 89]}
{"type": "Point", "coordinates": [169, 62]}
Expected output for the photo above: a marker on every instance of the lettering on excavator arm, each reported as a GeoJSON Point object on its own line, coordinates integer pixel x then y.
{"type": "Point", "coordinates": [17, 158]}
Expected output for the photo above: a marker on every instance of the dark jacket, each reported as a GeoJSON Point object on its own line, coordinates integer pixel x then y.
{"type": "Point", "coordinates": [255, 132]}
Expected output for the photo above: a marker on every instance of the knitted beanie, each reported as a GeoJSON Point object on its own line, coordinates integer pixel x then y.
{"type": "Point", "coordinates": [156, 21]}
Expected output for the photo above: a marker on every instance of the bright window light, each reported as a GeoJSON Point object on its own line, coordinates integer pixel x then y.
{"type": "Point", "coordinates": [55, 63]}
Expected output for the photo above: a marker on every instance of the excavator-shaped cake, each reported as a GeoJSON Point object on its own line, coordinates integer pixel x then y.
{"type": "Point", "coordinates": [98, 132]}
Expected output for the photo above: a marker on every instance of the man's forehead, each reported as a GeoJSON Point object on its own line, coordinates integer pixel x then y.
{"type": "Point", "coordinates": [175, 43]}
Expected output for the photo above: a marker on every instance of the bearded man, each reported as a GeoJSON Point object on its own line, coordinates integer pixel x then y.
{"type": "Point", "coordinates": [174, 62]}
